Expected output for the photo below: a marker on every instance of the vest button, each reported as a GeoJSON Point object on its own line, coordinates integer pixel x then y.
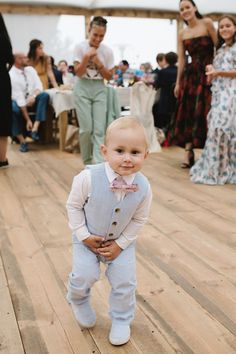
{"type": "Point", "coordinates": [117, 210]}
{"type": "Point", "coordinates": [114, 223]}
{"type": "Point", "coordinates": [111, 234]}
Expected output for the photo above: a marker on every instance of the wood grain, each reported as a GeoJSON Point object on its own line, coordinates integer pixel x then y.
{"type": "Point", "coordinates": [186, 262]}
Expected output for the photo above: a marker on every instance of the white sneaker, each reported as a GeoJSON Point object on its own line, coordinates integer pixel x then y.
{"type": "Point", "coordinates": [119, 334]}
{"type": "Point", "coordinates": [84, 314]}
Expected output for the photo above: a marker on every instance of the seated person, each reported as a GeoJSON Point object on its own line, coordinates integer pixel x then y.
{"type": "Point", "coordinates": [123, 67]}
{"type": "Point", "coordinates": [145, 69]}
{"type": "Point", "coordinates": [67, 77]}
{"type": "Point", "coordinates": [42, 63]}
{"type": "Point", "coordinates": [71, 69]}
{"type": "Point", "coordinates": [165, 106]}
{"type": "Point", "coordinates": [27, 95]}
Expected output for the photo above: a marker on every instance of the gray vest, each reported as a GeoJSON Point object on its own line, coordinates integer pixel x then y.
{"type": "Point", "coordinates": [105, 215]}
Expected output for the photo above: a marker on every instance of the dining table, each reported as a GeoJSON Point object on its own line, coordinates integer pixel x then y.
{"type": "Point", "coordinates": [62, 101]}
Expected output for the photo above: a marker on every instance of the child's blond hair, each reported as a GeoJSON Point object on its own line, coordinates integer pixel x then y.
{"type": "Point", "coordinates": [124, 123]}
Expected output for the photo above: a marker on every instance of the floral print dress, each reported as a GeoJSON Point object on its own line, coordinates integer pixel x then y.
{"type": "Point", "coordinates": [217, 164]}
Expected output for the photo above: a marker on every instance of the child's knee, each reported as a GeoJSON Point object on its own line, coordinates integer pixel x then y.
{"type": "Point", "coordinates": [123, 279]}
{"type": "Point", "coordinates": [85, 278]}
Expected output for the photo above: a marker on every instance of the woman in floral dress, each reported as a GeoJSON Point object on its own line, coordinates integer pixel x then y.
{"type": "Point", "coordinates": [217, 164]}
{"type": "Point", "coordinates": [196, 41]}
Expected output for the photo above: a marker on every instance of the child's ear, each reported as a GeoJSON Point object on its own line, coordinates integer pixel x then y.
{"type": "Point", "coordinates": [146, 154]}
{"type": "Point", "coordinates": [103, 149]}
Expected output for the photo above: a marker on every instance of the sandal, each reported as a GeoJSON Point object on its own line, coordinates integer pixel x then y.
{"type": "Point", "coordinates": [191, 159]}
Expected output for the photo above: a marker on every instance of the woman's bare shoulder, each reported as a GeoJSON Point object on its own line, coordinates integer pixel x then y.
{"type": "Point", "coordinates": [182, 33]}
{"type": "Point", "coordinates": [207, 21]}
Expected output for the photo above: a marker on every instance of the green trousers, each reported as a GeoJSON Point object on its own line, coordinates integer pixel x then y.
{"type": "Point", "coordinates": [90, 98]}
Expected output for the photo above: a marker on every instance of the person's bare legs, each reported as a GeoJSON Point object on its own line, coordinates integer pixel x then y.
{"type": "Point", "coordinates": [188, 156]}
{"type": "Point", "coordinates": [3, 148]}
{"type": "Point", "coordinates": [21, 138]}
{"type": "Point", "coordinates": [34, 132]}
{"type": "Point", "coordinates": [36, 126]}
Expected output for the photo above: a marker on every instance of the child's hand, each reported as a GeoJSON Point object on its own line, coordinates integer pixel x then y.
{"type": "Point", "coordinates": [209, 68]}
{"type": "Point", "coordinates": [109, 250]}
{"type": "Point", "coordinates": [93, 242]}
{"type": "Point", "coordinates": [211, 73]}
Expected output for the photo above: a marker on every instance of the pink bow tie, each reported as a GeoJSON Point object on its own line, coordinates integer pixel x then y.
{"type": "Point", "coordinates": [120, 185]}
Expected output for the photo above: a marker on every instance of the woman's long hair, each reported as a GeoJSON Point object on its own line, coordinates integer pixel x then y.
{"type": "Point", "coordinates": [221, 41]}
{"type": "Point", "coordinates": [33, 45]}
{"type": "Point", "coordinates": [197, 13]}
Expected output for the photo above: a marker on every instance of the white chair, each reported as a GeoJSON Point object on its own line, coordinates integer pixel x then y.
{"type": "Point", "coordinates": [141, 102]}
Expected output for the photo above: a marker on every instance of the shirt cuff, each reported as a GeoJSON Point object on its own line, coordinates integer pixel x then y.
{"type": "Point", "coordinates": [123, 243]}
{"type": "Point", "coordinates": [82, 233]}
{"type": "Point", "coordinates": [21, 102]}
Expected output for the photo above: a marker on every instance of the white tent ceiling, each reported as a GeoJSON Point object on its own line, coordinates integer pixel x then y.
{"type": "Point", "coordinates": [204, 6]}
{"type": "Point", "coordinates": [68, 30]}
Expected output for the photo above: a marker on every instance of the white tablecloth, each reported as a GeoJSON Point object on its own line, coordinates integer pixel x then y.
{"type": "Point", "coordinates": [63, 100]}
{"type": "Point", "coordinates": [123, 94]}
{"type": "Point", "coordinates": [139, 98]}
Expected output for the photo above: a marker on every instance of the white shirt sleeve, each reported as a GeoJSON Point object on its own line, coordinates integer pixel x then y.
{"type": "Point", "coordinates": [17, 87]}
{"type": "Point", "coordinates": [78, 53]}
{"type": "Point", "coordinates": [19, 97]}
{"type": "Point", "coordinates": [138, 220]}
{"type": "Point", "coordinates": [110, 63]}
{"type": "Point", "coordinates": [78, 196]}
{"type": "Point", "coordinates": [75, 204]}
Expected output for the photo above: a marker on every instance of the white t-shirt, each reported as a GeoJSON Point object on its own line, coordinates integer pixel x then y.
{"type": "Point", "coordinates": [104, 53]}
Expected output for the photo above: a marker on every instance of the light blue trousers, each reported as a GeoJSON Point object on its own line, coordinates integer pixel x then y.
{"type": "Point", "coordinates": [90, 98]}
{"type": "Point", "coordinates": [121, 274]}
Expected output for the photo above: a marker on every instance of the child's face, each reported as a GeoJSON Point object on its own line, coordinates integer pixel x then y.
{"type": "Point", "coordinates": [162, 63]}
{"type": "Point", "coordinates": [227, 29]}
{"type": "Point", "coordinates": [125, 150]}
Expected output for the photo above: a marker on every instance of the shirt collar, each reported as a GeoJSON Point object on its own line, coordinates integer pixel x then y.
{"type": "Point", "coordinates": [111, 175]}
{"type": "Point", "coordinates": [20, 71]}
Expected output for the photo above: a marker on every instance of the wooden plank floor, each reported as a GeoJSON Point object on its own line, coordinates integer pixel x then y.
{"type": "Point", "coordinates": [186, 262]}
